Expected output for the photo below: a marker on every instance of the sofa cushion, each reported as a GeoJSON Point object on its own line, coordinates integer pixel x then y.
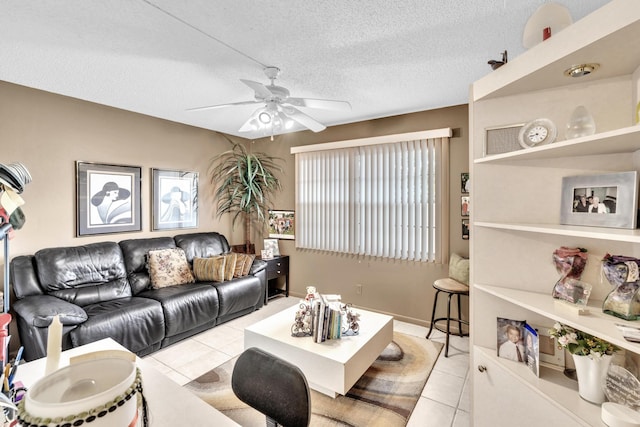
{"type": "Point", "coordinates": [209, 269]}
{"type": "Point", "coordinates": [136, 323]}
{"type": "Point", "coordinates": [248, 263]}
{"type": "Point", "coordinates": [83, 274]}
{"type": "Point", "coordinates": [135, 252]}
{"type": "Point", "coordinates": [169, 267]}
{"type": "Point", "coordinates": [185, 307]}
{"type": "Point", "coordinates": [202, 245]}
{"type": "Point", "coordinates": [239, 294]}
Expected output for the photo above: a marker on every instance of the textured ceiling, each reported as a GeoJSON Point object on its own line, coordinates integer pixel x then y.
{"type": "Point", "coordinates": [384, 57]}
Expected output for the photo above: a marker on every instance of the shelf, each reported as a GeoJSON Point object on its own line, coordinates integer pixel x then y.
{"type": "Point", "coordinates": [600, 233]}
{"type": "Point", "coordinates": [625, 140]}
{"type": "Point", "coordinates": [607, 37]}
{"type": "Point", "coordinates": [552, 385]}
{"type": "Point", "coordinates": [595, 322]}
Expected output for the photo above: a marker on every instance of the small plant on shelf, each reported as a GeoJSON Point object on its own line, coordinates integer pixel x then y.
{"type": "Point", "coordinates": [580, 343]}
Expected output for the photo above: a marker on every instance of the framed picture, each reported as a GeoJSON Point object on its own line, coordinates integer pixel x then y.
{"type": "Point", "coordinates": [465, 208]}
{"type": "Point", "coordinates": [175, 199]}
{"type": "Point", "coordinates": [465, 229]}
{"type": "Point", "coordinates": [609, 200]}
{"type": "Point", "coordinates": [282, 224]}
{"type": "Point", "coordinates": [550, 355]}
{"type": "Point", "coordinates": [464, 182]}
{"type": "Point", "coordinates": [271, 246]}
{"type": "Point", "coordinates": [107, 198]}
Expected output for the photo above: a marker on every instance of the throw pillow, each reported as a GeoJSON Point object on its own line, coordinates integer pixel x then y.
{"type": "Point", "coordinates": [229, 265]}
{"type": "Point", "coordinates": [168, 267]}
{"type": "Point", "coordinates": [240, 261]}
{"type": "Point", "coordinates": [459, 268]}
{"type": "Point", "coordinates": [248, 262]}
{"type": "Point", "coordinates": [209, 269]}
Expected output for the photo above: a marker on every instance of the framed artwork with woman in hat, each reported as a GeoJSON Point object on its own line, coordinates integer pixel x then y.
{"type": "Point", "coordinates": [108, 198]}
{"type": "Point", "coordinates": [175, 199]}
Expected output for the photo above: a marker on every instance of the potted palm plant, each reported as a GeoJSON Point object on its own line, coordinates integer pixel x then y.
{"type": "Point", "coordinates": [243, 185]}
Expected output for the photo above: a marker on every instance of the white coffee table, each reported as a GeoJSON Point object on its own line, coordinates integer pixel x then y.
{"type": "Point", "coordinates": [169, 404]}
{"type": "Point", "coordinates": [331, 367]}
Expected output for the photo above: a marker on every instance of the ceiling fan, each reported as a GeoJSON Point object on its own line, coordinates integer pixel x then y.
{"type": "Point", "coordinates": [279, 110]}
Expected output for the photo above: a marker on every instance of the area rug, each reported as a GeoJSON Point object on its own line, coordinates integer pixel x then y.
{"type": "Point", "coordinates": [384, 396]}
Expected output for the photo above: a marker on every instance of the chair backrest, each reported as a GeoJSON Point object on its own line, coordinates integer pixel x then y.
{"type": "Point", "coordinates": [272, 386]}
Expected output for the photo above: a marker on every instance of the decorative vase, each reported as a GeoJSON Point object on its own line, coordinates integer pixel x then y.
{"type": "Point", "coordinates": [580, 124]}
{"type": "Point", "coordinates": [591, 372]}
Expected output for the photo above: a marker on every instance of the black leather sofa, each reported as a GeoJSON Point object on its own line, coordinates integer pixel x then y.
{"type": "Point", "coordinates": [103, 290]}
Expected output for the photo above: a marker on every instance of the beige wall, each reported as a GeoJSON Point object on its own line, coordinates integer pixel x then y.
{"type": "Point", "coordinates": [48, 133]}
{"type": "Point", "coordinates": [398, 287]}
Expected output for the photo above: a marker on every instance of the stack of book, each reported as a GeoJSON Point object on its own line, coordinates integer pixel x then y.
{"type": "Point", "coordinates": [326, 317]}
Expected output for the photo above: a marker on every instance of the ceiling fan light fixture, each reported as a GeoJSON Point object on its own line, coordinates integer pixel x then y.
{"type": "Point", "coordinates": [264, 117]}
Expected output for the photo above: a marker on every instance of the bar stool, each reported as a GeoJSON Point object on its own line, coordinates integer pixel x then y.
{"type": "Point", "coordinates": [451, 287]}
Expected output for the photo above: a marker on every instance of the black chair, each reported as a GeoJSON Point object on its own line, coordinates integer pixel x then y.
{"type": "Point", "coordinates": [272, 386]}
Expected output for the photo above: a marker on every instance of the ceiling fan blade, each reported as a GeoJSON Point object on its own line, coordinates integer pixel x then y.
{"type": "Point", "coordinates": [303, 119]}
{"type": "Point", "coordinates": [261, 90]}
{"type": "Point", "coordinates": [211, 107]}
{"type": "Point", "coordinates": [325, 104]}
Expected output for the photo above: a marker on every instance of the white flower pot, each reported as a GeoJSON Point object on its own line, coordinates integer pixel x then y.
{"type": "Point", "coordinates": [591, 372]}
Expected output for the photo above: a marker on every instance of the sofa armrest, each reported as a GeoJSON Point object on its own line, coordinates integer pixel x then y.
{"type": "Point", "coordinates": [257, 266]}
{"type": "Point", "coordinates": [39, 310]}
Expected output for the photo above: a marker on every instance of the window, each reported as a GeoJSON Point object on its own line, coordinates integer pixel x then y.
{"type": "Point", "coordinates": [384, 197]}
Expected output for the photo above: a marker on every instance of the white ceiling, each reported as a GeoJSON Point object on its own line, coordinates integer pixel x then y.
{"type": "Point", "coordinates": [384, 57]}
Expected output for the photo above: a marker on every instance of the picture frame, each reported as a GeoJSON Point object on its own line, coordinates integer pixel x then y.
{"type": "Point", "coordinates": [614, 200]}
{"type": "Point", "coordinates": [282, 224]}
{"type": "Point", "coordinates": [464, 182]}
{"type": "Point", "coordinates": [465, 205]}
{"type": "Point", "coordinates": [550, 355]}
{"type": "Point", "coordinates": [266, 254]}
{"type": "Point", "coordinates": [174, 199]}
{"type": "Point", "coordinates": [465, 229]}
{"type": "Point", "coordinates": [271, 245]}
{"type": "Point", "coordinates": [107, 198]}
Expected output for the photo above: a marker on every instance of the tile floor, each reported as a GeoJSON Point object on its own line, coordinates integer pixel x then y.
{"type": "Point", "coordinates": [444, 401]}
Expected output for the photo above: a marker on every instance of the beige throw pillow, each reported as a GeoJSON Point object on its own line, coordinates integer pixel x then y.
{"type": "Point", "coordinates": [209, 269]}
{"type": "Point", "coordinates": [229, 265]}
{"type": "Point", "coordinates": [168, 267]}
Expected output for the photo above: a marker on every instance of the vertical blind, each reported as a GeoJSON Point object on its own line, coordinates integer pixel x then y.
{"type": "Point", "coordinates": [383, 200]}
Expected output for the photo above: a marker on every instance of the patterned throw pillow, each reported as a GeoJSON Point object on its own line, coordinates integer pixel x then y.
{"type": "Point", "coordinates": [248, 262]}
{"type": "Point", "coordinates": [209, 269]}
{"type": "Point", "coordinates": [168, 267]}
{"type": "Point", "coordinates": [229, 265]}
{"type": "Point", "coordinates": [243, 264]}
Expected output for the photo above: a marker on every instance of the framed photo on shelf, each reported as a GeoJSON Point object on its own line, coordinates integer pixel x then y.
{"type": "Point", "coordinates": [282, 224]}
{"type": "Point", "coordinates": [465, 229]}
{"type": "Point", "coordinates": [465, 207]}
{"type": "Point", "coordinates": [271, 245]}
{"type": "Point", "coordinates": [464, 182]}
{"type": "Point", "coordinates": [107, 198]}
{"type": "Point", "coordinates": [175, 199]}
{"type": "Point", "coordinates": [550, 355]}
{"type": "Point", "coordinates": [608, 200]}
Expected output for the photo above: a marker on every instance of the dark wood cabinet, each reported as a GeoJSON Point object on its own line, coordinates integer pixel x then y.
{"type": "Point", "coordinates": [277, 267]}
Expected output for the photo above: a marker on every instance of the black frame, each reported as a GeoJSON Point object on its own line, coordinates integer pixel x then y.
{"type": "Point", "coordinates": [181, 183]}
{"type": "Point", "coordinates": [95, 183]}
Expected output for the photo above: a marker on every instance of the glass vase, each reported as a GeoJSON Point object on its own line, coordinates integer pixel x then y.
{"type": "Point", "coordinates": [580, 123]}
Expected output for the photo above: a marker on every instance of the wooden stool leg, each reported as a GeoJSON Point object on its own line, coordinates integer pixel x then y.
{"type": "Point", "coordinates": [433, 313]}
